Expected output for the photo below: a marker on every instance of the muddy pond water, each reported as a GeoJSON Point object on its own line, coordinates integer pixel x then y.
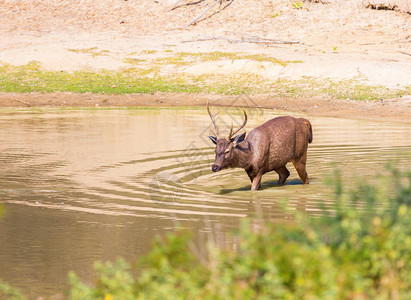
{"type": "Point", "coordinates": [84, 185]}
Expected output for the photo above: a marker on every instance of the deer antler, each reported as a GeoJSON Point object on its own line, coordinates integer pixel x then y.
{"type": "Point", "coordinates": [217, 132]}
{"type": "Point", "coordinates": [241, 127]}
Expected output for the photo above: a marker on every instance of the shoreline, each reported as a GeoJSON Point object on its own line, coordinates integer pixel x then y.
{"type": "Point", "coordinates": [397, 110]}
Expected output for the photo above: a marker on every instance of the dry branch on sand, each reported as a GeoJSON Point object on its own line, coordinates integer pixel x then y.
{"type": "Point", "coordinates": [401, 5]}
{"type": "Point", "coordinates": [209, 7]}
{"type": "Point", "coordinates": [243, 39]}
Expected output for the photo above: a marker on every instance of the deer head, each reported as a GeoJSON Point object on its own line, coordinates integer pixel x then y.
{"type": "Point", "coordinates": [225, 155]}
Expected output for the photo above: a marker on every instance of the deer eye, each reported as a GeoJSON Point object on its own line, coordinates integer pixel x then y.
{"type": "Point", "coordinates": [227, 151]}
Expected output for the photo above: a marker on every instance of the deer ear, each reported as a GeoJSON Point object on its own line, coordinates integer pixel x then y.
{"type": "Point", "coordinates": [213, 139]}
{"type": "Point", "coordinates": [238, 139]}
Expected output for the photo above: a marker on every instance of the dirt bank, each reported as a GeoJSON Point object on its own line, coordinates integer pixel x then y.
{"type": "Point", "coordinates": [395, 110]}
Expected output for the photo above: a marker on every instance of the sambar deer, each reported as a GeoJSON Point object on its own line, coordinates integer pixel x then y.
{"type": "Point", "coordinates": [268, 147]}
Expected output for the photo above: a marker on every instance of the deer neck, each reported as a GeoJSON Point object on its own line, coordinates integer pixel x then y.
{"type": "Point", "coordinates": [241, 156]}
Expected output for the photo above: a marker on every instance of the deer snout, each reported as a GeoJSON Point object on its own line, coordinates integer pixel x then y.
{"type": "Point", "coordinates": [215, 168]}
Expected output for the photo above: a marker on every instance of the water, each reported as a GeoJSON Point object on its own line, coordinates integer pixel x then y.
{"type": "Point", "coordinates": [85, 185]}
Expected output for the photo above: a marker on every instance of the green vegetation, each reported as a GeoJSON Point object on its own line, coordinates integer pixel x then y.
{"type": "Point", "coordinates": [8, 292]}
{"type": "Point", "coordinates": [31, 78]}
{"type": "Point", "coordinates": [187, 58]}
{"type": "Point", "coordinates": [149, 51]}
{"type": "Point", "coordinates": [143, 78]}
{"type": "Point", "coordinates": [344, 89]}
{"type": "Point", "coordinates": [275, 15]}
{"type": "Point", "coordinates": [297, 5]}
{"type": "Point", "coordinates": [359, 249]}
{"type": "Point", "coordinates": [133, 61]}
{"type": "Point", "coordinates": [94, 51]}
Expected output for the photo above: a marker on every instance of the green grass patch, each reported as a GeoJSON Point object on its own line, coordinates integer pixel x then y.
{"type": "Point", "coordinates": [145, 77]}
{"type": "Point", "coordinates": [133, 61]}
{"type": "Point", "coordinates": [187, 58]}
{"type": "Point", "coordinates": [343, 89]}
{"type": "Point", "coordinates": [149, 52]}
{"type": "Point", "coordinates": [217, 55]}
{"type": "Point", "coordinates": [31, 78]}
{"type": "Point", "coordinates": [93, 51]}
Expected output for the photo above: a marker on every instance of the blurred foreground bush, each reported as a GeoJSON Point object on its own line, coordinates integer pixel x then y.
{"type": "Point", "coordinates": [359, 249]}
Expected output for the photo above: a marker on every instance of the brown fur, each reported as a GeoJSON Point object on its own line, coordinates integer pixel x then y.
{"type": "Point", "coordinates": [266, 148]}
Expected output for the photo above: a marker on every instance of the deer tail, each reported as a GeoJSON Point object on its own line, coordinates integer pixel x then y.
{"type": "Point", "coordinates": [310, 129]}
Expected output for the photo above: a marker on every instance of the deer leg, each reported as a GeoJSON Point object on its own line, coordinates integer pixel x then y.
{"type": "Point", "coordinates": [283, 173]}
{"type": "Point", "coordinates": [255, 178]}
{"type": "Point", "coordinates": [299, 165]}
{"type": "Point", "coordinates": [256, 182]}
